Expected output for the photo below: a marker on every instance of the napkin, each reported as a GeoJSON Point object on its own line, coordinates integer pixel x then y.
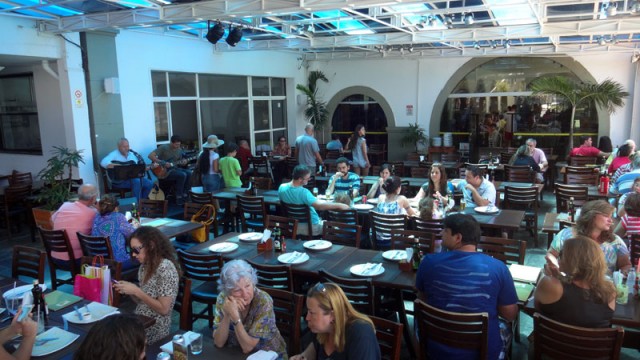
{"type": "Point", "coordinates": [168, 347]}
{"type": "Point", "coordinates": [370, 268]}
{"type": "Point", "coordinates": [265, 235]}
{"type": "Point", "coordinates": [294, 256]}
{"type": "Point", "coordinates": [263, 355]}
{"type": "Point", "coordinates": [409, 252]}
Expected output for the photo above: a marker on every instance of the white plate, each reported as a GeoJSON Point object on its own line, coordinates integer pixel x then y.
{"type": "Point", "coordinates": [363, 206]}
{"type": "Point", "coordinates": [368, 269]}
{"type": "Point", "coordinates": [20, 291]}
{"type": "Point", "coordinates": [483, 210]}
{"type": "Point", "coordinates": [317, 244]}
{"type": "Point", "coordinates": [98, 312]}
{"type": "Point", "coordinates": [223, 247]}
{"type": "Point", "coordinates": [62, 339]}
{"type": "Point", "coordinates": [324, 197]}
{"type": "Point", "coordinates": [395, 255]}
{"type": "Point", "coordinates": [293, 258]}
{"type": "Point", "coordinates": [252, 236]}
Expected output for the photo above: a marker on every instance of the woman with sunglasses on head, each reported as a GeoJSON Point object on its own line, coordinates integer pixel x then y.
{"type": "Point", "coordinates": [595, 222]}
{"type": "Point", "coordinates": [158, 275]}
{"type": "Point", "coordinates": [341, 331]}
{"type": "Point", "coordinates": [282, 148]}
{"type": "Point", "coordinates": [244, 313]}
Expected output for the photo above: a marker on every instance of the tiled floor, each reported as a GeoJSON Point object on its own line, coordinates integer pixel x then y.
{"type": "Point", "coordinates": [534, 257]}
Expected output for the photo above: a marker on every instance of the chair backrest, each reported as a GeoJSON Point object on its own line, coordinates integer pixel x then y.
{"type": "Point", "coordinates": [458, 330]}
{"type": "Point", "coordinates": [20, 178]}
{"type": "Point", "coordinates": [389, 335]}
{"type": "Point", "coordinates": [300, 213]}
{"type": "Point", "coordinates": [450, 157]}
{"type": "Point", "coordinates": [106, 182]}
{"type": "Point", "coordinates": [516, 197]}
{"type": "Point", "coordinates": [42, 218]}
{"type": "Point", "coordinates": [288, 227]}
{"type": "Point", "coordinates": [343, 216]}
{"type": "Point", "coordinates": [259, 164]}
{"type": "Point", "coordinates": [582, 160]}
{"type": "Point", "coordinates": [16, 194]}
{"type": "Point", "coordinates": [203, 267]}
{"type": "Point", "coordinates": [402, 239]}
{"type": "Point", "coordinates": [291, 162]}
{"type": "Point", "coordinates": [433, 226]}
{"type": "Point", "coordinates": [420, 172]}
{"type": "Point", "coordinates": [58, 241]}
{"type": "Point", "coordinates": [29, 262]}
{"type": "Point", "coordinates": [509, 251]}
{"type": "Point", "coordinates": [153, 208]}
{"type": "Point", "coordinates": [382, 224]}
{"type": "Point", "coordinates": [359, 291]}
{"type": "Point", "coordinates": [580, 170]}
{"type": "Point", "coordinates": [505, 157]}
{"type": "Point", "coordinates": [555, 340]}
{"type": "Point", "coordinates": [581, 178]}
{"type": "Point", "coordinates": [115, 268]}
{"type": "Point", "coordinates": [252, 211]}
{"type": "Point", "coordinates": [548, 151]}
{"type": "Point", "coordinates": [262, 183]}
{"type": "Point", "coordinates": [182, 303]}
{"type": "Point", "coordinates": [191, 209]}
{"type": "Point", "coordinates": [634, 249]}
{"type": "Point", "coordinates": [95, 245]}
{"type": "Point", "coordinates": [518, 173]}
{"type": "Point", "coordinates": [341, 233]}
{"type": "Point", "coordinates": [288, 308]}
{"type": "Point", "coordinates": [274, 276]}
{"type": "Point", "coordinates": [564, 192]}
{"type": "Point", "coordinates": [201, 198]}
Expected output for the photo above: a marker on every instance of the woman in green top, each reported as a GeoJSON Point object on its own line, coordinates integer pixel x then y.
{"type": "Point", "coordinates": [230, 167]}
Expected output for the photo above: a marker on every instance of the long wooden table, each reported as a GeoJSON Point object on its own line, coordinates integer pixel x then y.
{"type": "Point", "coordinates": [171, 227]}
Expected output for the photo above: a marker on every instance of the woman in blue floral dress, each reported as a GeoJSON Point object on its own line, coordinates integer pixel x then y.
{"type": "Point", "coordinates": [113, 224]}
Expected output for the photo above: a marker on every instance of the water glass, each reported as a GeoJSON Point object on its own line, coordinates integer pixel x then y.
{"type": "Point", "coordinates": [315, 191]}
{"type": "Point", "coordinates": [463, 204]}
{"type": "Point", "coordinates": [622, 294]}
{"type": "Point", "coordinates": [195, 343]}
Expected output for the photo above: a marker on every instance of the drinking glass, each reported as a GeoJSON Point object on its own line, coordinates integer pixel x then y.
{"type": "Point", "coordinates": [463, 204]}
{"type": "Point", "coordinates": [195, 343]}
{"type": "Point", "coordinates": [315, 191]}
{"type": "Point", "coordinates": [622, 294]}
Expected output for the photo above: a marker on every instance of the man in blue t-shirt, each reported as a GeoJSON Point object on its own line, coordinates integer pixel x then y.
{"type": "Point", "coordinates": [343, 180]}
{"type": "Point", "coordinates": [466, 281]}
{"type": "Point", "coordinates": [307, 149]}
{"type": "Point", "coordinates": [476, 190]}
{"type": "Point", "coordinates": [295, 193]}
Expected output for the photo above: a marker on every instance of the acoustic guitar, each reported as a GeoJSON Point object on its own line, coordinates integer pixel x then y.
{"type": "Point", "coordinates": [162, 171]}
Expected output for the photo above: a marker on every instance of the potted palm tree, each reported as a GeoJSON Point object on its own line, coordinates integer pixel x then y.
{"type": "Point", "coordinates": [414, 135]}
{"type": "Point", "coordinates": [316, 111]}
{"type": "Point", "coordinates": [57, 177]}
{"type": "Point", "coordinates": [608, 94]}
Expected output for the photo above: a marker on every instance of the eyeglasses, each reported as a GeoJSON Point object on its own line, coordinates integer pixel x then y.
{"type": "Point", "coordinates": [282, 140]}
{"type": "Point", "coordinates": [136, 250]}
{"type": "Point", "coordinates": [319, 287]}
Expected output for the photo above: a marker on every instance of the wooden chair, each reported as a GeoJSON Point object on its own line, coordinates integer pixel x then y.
{"type": "Point", "coordinates": [58, 241]}
{"type": "Point", "coordinates": [20, 178]}
{"type": "Point", "coordinates": [389, 335]}
{"type": "Point", "coordinates": [263, 183]}
{"type": "Point", "coordinates": [526, 199]}
{"type": "Point", "coordinates": [109, 189]}
{"type": "Point", "coordinates": [191, 209]}
{"type": "Point", "coordinates": [300, 213]}
{"type": "Point", "coordinates": [205, 268]}
{"type": "Point", "coordinates": [420, 172]}
{"type": "Point", "coordinates": [343, 216]}
{"type": "Point", "coordinates": [13, 203]}
{"type": "Point", "coordinates": [413, 156]}
{"type": "Point", "coordinates": [450, 157]}
{"type": "Point", "coordinates": [359, 291]}
{"type": "Point", "coordinates": [95, 245]}
{"type": "Point", "coordinates": [564, 192]}
{"type": "Point", "coordinates": [274, 276]}
{"type": "Point", "coordinates": [505, 157]}
{"type": "Point", "coordinates": [548, 151]}
{"type": "Point", "coordinates": [518, 173]}
{"type": "Point", "coordinates": [252, 211]}
{"type": "Point", "coordinates": [292, 162]}
{"type": "Point", "coordinates": [183, 303]}
{"type": "Point", "coordinates": [555, 340]}
{"type": "Point", "coordinates": [116, 274]}
{"type": "Point", "coordinates": [582, 160]}
{"type": "Point", "coordinates": [207, 198]}
{"type": "Point", "coordinates": [153, 208]}
{"type": "Point", "coordinates": [341, 233]}
{"type": "Point", "coordinates": [431, 226]}
{"type": "Point", "coordinates": [288, 307]}
{"type": "Point", "coordinates": [383, 224]}
{"type": "Point", "coordinates": [509, 251]}
{"type": "Point", "coordinates": [402, 239]}
{"type": "Point", "coordinates": [581, 179]}
{"type": "Point", "coordinates": [458, 330]}
{"type": "Point", "coordinates": [333, 154]}
{"type": "Point", "coordinates": [289, 227]}
{"type": "Point", "coordinates": [260, 166]}
{"type": "Point", "coordinates": [634, 248]}
{"type": "Point", "coordinates": [29, 262]}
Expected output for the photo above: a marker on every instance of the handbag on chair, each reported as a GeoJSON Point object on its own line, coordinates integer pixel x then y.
{"type": "Point", "coordinates": [200, 234]}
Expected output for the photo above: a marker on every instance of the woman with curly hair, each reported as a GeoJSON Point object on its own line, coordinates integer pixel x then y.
{"type": "Point", "coordinates": [583, 296]}
{"type": "Point", "coordinates": [595, 222]}
{"type": "Point", "coordinates": [116, 337]}
{"type": "Point", "coordinates": [358, 146]}
{"type": "Point", "coordinates": [341, 331]}
{"type": "Point", "coordinates": [109, 222]}
{"type": "Point", "coordinates": [158, 276]}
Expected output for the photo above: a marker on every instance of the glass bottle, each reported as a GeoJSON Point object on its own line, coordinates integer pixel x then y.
{"type": "Point", "coordinates": [415, 258]}
{"type": "Point", "coordinates": [277, 244]}
{"type": "Point", "coordinates": [134, 212]}
{"type": "Point", "coordinates": [571, 210]}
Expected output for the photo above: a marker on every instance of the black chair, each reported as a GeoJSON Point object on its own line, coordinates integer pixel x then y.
{"type": "Point", "coordinates": [13, 203]}
{"type": "Point", "coordinates": [389, 335]}
{"type": "Point", "coordinates": [302, 214]}
{"type": "Point", "coordinates": [153, 208]}
{"type": "Point", "coordinates": [274, 276]}
{"type": "Point", "coordinates": [205, 268]}
{"type": "Point", "coordinates": [287, 307]}
{"type": "Point", "coordinates": [58, 241]}
{"type": "Point", "coordinates": [28, 262]}
{"type": "Point", "coordinates": [183, 303]}
{"type": "Point", "coordinates": [402, 239]}
{"type": "Point", "coordinates": [288, 227]}
{"type": "Point", "coordinates": [252, 211]}
{"type": "Point", "coordinates": [526, 199]}
{"type": "Point", "coordinates": [341, 233]}
{"type": "Point", "coordinates": [382, 224]}
{"type": "Point", "coordinates": [95, 245]}
{"type": "Point", "coordinates": [360, 292]}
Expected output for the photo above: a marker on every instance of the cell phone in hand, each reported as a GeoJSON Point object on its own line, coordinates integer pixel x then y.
{"type": "Point", "coordinates": [114, 281]}
{"type": "Point", "coordinates": [26, 309]}
{"type": "Point", "coordinates": [553, 260]}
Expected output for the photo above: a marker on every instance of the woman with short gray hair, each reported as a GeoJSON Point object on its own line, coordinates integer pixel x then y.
{"type": "Point", "coordinates": [244, 314]}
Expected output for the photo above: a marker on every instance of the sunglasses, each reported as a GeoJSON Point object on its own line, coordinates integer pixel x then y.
{"type": "Point", "coordinates": [136, 250]}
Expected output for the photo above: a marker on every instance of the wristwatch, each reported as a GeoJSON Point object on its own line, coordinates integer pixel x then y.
{"type": "Point", "coordinates": [235, 323]}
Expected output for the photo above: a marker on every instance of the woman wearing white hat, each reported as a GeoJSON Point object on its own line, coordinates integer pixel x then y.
{"type": "Point", "coordinates": [208, 164]}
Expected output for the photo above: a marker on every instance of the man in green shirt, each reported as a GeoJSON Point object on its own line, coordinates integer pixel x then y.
{"type": "Point", "coordinates": [230, 167]}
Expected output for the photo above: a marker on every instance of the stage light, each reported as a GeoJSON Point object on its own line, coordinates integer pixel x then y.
{"type": "Point", "coordinates": [216, 33]}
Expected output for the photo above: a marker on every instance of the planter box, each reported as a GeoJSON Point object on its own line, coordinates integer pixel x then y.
{"type": "Point", "coordinates": [42, 218]}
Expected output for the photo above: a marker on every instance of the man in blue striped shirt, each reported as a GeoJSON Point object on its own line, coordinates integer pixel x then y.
{"type": "Point", "coordinates": [343, 180]}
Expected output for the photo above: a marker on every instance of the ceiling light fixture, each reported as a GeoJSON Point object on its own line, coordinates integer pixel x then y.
{"type": "Point", "coordinates": [476, 45]}
{"type": "Point", "coordinates": [506, 44]}
{"type": "Point", "coordinates": [216, 33]}
{"type": "Point", "coordinates": [602, 41]}
{"type": "Point", "coordinates": [494, 44]}
{"type": "Point", "coordinates": [448, 19]}
{"type": "Point", "coordinates": [311, 29]}
{"type": "Point", "coordinates": [235, 35]}
{"type": "Point", "coordinates": [410, 49]}
{"type": "Point", "coordinates": [468, 19]}
{"type": "Point", "coordinates": [635, 8]}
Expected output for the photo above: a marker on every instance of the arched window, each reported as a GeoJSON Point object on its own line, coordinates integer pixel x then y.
{"type": "Point", "coordinates": [360, 109]}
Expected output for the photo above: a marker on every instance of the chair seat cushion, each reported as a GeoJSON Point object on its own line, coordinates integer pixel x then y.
{"type": "Point", "coordinates": [206, 292]}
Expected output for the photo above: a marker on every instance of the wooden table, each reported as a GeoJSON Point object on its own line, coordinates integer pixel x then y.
{"type": "Point", "coordinates": [370, 180]}
{"type": "Point", "coordinates": [506, 220]}
{"type": "Point", "coordinates": [551, 225]}
{"type": "Point", "coordinates": [230, 194]}
{"type": "Point", "coordinates": [209, 350]}
{"type": "Point", "coordinates": [172, 227]}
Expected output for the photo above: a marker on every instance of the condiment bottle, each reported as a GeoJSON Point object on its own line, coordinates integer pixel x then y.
{"type": "Point", "coordinates": [277, 244]}
{"type": "Point", "coordinates": [415, 258]}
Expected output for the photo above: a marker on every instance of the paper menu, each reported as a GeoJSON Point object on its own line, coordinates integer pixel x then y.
{"type": "Point", "coordinates": [528, 274]}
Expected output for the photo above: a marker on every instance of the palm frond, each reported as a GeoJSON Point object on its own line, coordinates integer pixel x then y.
{"type": "Point", "coordinates": [557, 85]}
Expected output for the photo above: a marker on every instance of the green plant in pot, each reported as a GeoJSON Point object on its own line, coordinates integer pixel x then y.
{"type": "Point", "coordinates": [316, 111]}
{"type": "Point", "coordinates": [57, 177]}
{"type": "Point", "coordinates": [414, 135]}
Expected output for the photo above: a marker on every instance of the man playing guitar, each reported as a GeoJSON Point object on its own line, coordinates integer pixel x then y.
{"type": "Point", "coordinates": [168, 156]}
{"type": "Point", "coordinates": [123, 155]}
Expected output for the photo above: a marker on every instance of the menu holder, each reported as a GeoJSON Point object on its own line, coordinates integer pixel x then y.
{"type": "Point", "coordinates": [405, 266]}
{"type": "Point", "coordinates": [523, 273]}
{"type": "Point", "coordinates": [57, 300]}
{"type": "Point", "coordinates": [267, 245]}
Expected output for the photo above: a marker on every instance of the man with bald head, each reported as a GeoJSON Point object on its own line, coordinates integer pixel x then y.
{"type": "Point", "coordinates": [123, 155]}
{"type": "Point", "coordinates": [76, 216]}
{"type": "Point", "coordinates": [307, 149]}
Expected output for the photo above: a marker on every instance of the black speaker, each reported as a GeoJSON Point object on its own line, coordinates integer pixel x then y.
{"type": "Point", "coordinates": [216, 33]}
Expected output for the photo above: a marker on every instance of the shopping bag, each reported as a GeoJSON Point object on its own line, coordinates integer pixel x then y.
{"type": "Point", "coordinates": [99, 270]}
{"type": "Point", "coordinates": [87, 286]}
{"type": "Point", "coordinates": [200, 234]}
